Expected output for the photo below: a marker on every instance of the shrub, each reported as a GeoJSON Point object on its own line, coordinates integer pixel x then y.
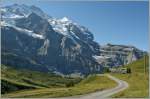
{"type": "Point", "coordinates": [70, 84]}
{"type": "Point", "coordinates": [106, 70]}
{"type": "Point", "coordinates": [128, 70]}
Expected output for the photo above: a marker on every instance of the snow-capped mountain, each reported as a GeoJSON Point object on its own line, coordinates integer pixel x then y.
{"type": "Point", "coordinates": [69, 28]}
{"type": "Point", "coordinates": [33, 40]}
{"type": "Point", "coordinates": [46, 43]}
{"type": "Point", "coordinates": [20, 11]}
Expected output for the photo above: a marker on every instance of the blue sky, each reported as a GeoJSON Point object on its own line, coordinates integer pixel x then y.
{"type": "Point", "coordinates": [110, 22]}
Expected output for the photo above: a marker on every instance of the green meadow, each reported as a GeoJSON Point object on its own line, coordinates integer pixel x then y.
{"type": "Point", "coordinates": [50, 85]}
{"type": "Point", "coordinates": [138, 80]}
{"type": "Point", "coordinates": [32, 84]}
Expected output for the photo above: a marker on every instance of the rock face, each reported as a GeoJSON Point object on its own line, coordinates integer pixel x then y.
{"type": "Point", "coordinates": [46, 44]}
{"type": "Point", "coordinates": [33, 40]}
{"type": "Point", "coordinates": [118, 55]}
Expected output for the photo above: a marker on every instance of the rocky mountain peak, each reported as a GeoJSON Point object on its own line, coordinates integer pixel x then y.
{"type": "Point", "coordinates": [21, 10]}
{"type": "Point", "coordinates": [56, 45]}
{"type": "Point", "coordinates": [65, 19]}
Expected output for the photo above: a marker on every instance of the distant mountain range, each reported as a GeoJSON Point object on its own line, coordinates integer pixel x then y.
{"type": "Point", "coordinates": [33, 40]}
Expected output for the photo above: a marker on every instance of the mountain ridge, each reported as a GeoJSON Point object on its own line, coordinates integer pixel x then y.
{"type": "Point", "coordinates": [54, 45]}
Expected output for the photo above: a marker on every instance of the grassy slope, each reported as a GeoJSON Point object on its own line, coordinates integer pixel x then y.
{"type": "Point", "coordinates": [90, 84]}
{"type": "Point", "coordinates": [137, 80]}
{"type": "Point", "coordinates": [13, 79]}
{"type": "Point", "coordinates": [9, 86]}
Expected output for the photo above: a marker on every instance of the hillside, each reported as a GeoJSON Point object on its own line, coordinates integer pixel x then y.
{"type": "Point", "coordinates": [13, 80]}
{"type": "Point", "coordinates": [138, 80]}
{"type": "Point", "coordinates": [41, 55]}
{"type": "Point", "coordinates": [90, 84]}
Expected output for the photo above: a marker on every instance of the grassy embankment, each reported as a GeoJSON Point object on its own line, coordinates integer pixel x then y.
{"type": "Point", "coordinates": [137, 80]}
{"type": "Point", "coordinates": [13, 80]}
{"type": "Point", "coordinates": [90, 84]}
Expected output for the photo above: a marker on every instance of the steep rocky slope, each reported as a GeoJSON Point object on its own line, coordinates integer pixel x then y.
{"type": "Point", "coordinates": [33, 40]}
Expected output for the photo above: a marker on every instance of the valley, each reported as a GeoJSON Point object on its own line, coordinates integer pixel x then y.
{"type": "Point", "coordinates": [89, 84]}
{"type": "Point", "coordinates": [48, 57]}
{"type": "Point", "coordinates": [45, 85]}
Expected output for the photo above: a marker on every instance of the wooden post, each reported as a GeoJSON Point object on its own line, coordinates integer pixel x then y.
{"type": "Point", "coordinates": [145, 64]}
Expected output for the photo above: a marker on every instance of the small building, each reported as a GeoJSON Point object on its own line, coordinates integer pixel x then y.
{"type": "Point", "coordinates": [118, 70]}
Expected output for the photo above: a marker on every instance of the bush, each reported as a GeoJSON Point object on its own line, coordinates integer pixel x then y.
{"type": "Point", "coordinates": [128, 70]}
{"type": "Point", "coordinates": [70, 84]}
{"type": "Point", "coordinates": [106, 70]}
